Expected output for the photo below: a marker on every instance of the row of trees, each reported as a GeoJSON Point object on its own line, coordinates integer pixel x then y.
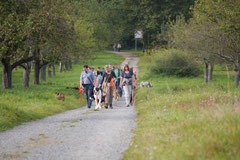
{"type": "Point", "coordinates": [211, 35]}
{"type": "Point", "coordinates": [35, 34]}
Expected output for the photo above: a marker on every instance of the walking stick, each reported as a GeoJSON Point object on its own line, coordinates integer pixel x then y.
{"type": "Point", "coordinates": [135, 91]}
{"type": "Point", "coordinates": [80, 92]}
{"type": "Point", "coordinates": [111, 83]}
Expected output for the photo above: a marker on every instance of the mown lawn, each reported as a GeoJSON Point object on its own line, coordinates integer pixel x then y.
{"type": "Point", "coordinates": [183, 118]}
{"type": "Point", "coordinates": [20, 105]}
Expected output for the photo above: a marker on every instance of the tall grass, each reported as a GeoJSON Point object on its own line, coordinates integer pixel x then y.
{"type": "Point", "coordinates": [183, 118]}
{"type": "Point", "coordinates": [25, 104]}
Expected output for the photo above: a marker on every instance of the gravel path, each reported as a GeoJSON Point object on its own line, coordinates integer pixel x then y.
{"type": "Point", "coordinates": [80, 134]}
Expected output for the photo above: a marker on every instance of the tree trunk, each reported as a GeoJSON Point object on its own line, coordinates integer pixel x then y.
{"type": "Point", "coordinates": [76, 60]}
{"type": "Point", "coordinates": [70, 63]}
{"type": "Point", "coordinates": [66, 65]}
{"type": "Point", "coordinates": [60, 67]}
{"type": "Point", "coordinates": [49, 70]}
{"type": "Point", "coordinates": [206, 73]}
{"type": "Point", "coordinates": [237, 75]}
{"type": "Point", "coordinates": [43, 72]}
{"type": "Point", "coordinates": [54, 71]}
{"type": "Point", "coordinates": [26, 75]}
{"type": "Point", "coordinates": [210, 74]}
{"type": "Point", "coordinates": [143, 49]}
{"type": "Point", "coordinates": [36, 72]}
{"type": "Point", "coordinates": [6, 74]}
{"type": "Point", "coordinates": [32, 65]}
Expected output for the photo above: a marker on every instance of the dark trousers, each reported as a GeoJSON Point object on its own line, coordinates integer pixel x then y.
{"type": "Point", "coordinates": [118, 88]}
{"type": "Point", "coordinates": [88, 89]}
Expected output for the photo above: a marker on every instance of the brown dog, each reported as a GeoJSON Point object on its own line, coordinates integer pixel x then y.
{"type": "Point", "coordinates": [115, 94]}
{"type": "Point", "coordinates": [60, 96]}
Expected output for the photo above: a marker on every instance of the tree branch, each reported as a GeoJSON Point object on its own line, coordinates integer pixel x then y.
{"type": "Point", "coordinates": [21, 61]}
{"type": "Point", "coordinates": [43, 64]}
{"type": "Point", "coordinates": [23, 66]}
{"type": "Point", "coordinates": [229, 59]}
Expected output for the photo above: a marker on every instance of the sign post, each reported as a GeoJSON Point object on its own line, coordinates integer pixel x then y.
{"type": "Point", "coordinates": [138, 34]}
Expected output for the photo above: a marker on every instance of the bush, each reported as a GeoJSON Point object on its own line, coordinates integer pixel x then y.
{"type": "Point", "coordinates": [175, 62]}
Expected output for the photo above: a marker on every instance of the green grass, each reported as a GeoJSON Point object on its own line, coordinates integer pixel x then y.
{"type": "Point", "coordinates": [20, 105]}
{"type": "Point", "coordinates": [185, 119]}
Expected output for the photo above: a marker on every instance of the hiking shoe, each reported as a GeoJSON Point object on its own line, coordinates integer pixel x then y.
{"type": "Point", "coordinates": [106, 106]}
{"type": "Point", "coordinates": [89, 106]}
{"type": "Point", "coordinates": [111, 106]}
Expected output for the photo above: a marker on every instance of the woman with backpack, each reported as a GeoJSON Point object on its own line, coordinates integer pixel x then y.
{"type": "Point", "coordinates": [107, 86]}
{"type": "Point", "coordinates": [127, 81]}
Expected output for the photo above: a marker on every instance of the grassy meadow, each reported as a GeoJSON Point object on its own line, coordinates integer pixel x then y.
{"type": "Point", "coordinates": [20, 104]}
{"type": "Point", "coordinates": [184, 118]}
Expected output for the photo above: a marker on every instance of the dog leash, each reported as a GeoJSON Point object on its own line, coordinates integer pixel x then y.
{"type": "Point", "coordinates": [134, 98]}
{"type": "Point", "coordinates": [111, 83]}
{"type": "Point", "coordinates": [80, 92]}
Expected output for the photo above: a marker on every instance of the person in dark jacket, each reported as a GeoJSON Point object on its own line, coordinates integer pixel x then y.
{"type": "Point", "coordinates": [108, 77]}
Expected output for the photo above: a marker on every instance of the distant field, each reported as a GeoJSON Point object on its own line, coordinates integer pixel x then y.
{"type": "Point", "coordinates": [21, 105]}
{"type": "Point", "coordinates": [183, 118]}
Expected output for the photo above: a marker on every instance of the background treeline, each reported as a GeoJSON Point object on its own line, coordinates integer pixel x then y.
{"type": "Point", "coordinates": [38, 34]}
{"type": "Point", "coordinates": [195, 32]}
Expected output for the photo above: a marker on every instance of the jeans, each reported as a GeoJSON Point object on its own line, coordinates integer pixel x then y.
{"type": "Point", "coordinates": [128, 93]}
{"type": "Point", "coordinates": [88, 89]}
{"type": "Point", "coordinates": [109, 95]}
{"type": "Point", "coordinates": [118, 88]}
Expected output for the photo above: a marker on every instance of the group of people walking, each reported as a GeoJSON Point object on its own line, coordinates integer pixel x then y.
{"type": "Point", "coordinates": [117, 47]}
{"type": "Point", "coordinates": [109, 80]}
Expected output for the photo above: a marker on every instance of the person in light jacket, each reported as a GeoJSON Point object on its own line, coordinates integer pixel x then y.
{"type": "Point", "coordinates": [127, 82]}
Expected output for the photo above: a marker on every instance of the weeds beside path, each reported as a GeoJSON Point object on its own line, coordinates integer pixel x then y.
{"type": "Point", "coordinates": [183, 118]}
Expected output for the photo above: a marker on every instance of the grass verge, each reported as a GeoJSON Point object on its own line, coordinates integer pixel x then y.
{"type": "Point", "coordinates": [183, 118]}
{"type": "Point", "coordinates": [38, 101]}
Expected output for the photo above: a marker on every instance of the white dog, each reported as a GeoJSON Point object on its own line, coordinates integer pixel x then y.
{"type": "Point", "coordinates": [145, 84]}
{"type": "Point", "coordinates": [98, 97]}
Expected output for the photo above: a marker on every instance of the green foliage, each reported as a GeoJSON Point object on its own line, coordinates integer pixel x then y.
{"type": "Point", "coordinates": [224, 13]}
{"type": "Point", "coordinates": [184, 118]}
{"type": "Point", "coordinates": [26, 104]}
{"type": "Point", "coordinates": [175, 62]}
{"type": "Point", "coordinates": [212, 34]}
{"type": "Point", "coordinates": [152, 16]}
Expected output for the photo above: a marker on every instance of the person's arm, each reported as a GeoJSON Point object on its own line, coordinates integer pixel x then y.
{"type": "Point", "coordinates": [93, 78]}
{"type": "Point", "coordinates": [96, 84]}
{"type": "Point", "coordinates": [121, 80]}
{"type": "Point", "coordinates": [81, 77]}
{"type": "Point", "coordinates": [103, 78]}
{"type": "Point", "coordinates": [134, 80]}
{"type": "Point", "coordinates": [113, 76]}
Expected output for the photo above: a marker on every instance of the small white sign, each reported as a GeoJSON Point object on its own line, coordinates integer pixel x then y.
{"type": "Point", "coordinates": [138, 34]}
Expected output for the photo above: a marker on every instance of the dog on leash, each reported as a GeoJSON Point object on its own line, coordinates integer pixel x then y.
{"type": "Point", "coordinates": [145, 84]}
{"type": "Point", "coordinates": [60, 96]}
{"type": "Point", "coordinates": [98, 98]}
{"type": "Point", "coordinates": [115, 94]}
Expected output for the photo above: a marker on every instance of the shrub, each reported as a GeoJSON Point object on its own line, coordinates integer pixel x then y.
{"type": "Point", "coordinates": [175, 62]}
